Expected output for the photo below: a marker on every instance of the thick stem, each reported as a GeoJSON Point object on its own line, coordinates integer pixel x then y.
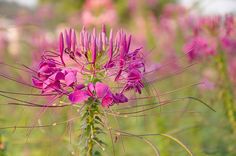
{"type": "Point", "coordinates": [91, 126]}
{"type": "Point", "coordinates": [227, 94]}
{"type": "Point", "coordinates": [90, 129]}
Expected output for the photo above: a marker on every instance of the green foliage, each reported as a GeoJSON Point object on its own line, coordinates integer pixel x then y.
{"type": "Point", "coordinates": [2, 146]}
{"type": "Point", "coordinates": [65, 7]}
{"type": "Point", "coordinates": [226, 90]}
{"type": "Point", "coordinates": [92, 127]}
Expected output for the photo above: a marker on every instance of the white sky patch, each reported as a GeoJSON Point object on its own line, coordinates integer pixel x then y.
{"type": "Point", "coordinates": [211, 6]}
{"type": "Point", "coordinates": [28, 3]}
{"type": "Point", "coordinates": [203, 7]}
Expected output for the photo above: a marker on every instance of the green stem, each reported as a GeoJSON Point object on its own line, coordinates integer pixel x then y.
{"type": "Point", "coordinates": [227, 95]}
{"type": "Point", "coordinates": [2, 148]}
{"type": "Point", "coordinates": [90, 128]}
{"type": "Point", "coordinates": [91, 120]}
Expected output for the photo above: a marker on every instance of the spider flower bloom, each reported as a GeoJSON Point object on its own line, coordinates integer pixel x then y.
{"type": "Point", "coordinates": [199, 47]}
{"type": "Point", "coordinates": [94, 66]}
{"type": "Point", "coordinates": [228, 39]}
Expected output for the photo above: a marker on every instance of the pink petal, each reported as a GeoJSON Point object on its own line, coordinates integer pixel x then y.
{"type": "Point", "coordinates": [74, 41]}
{"type": "Point", "coordinates": [78, 96]}
{"type": "Point", "coordinates": [107, 100]}
{"type": "Point", "coordinates": [79, 86]}
{"type": "Point", "coordinates": [101, 89]}
{"type": "Point", "coordinates": [94, 49]}
{"type": "Point", "coordinates": [50, 87]}
{"type": "Point", "coordinates": [120, 98]}
{"type": "Point", "coordinates": [37, 83]}
{"type": "Point", "coordinates": [47, 82]}
{"type": "Point", "coordinates": [134, 75]}
{"type": "Point", "coordinates": [68, 38]}
{"type": "Point", "coordinates": [91, 89]}
{"type": "Point", "coordinates": [57, 76]}
{"type": "Point", "coordinates": [70, 78]}
{"type": "Point", "coordinates": [110, 52]}
{"type": "Point", "coordinates": [61, 48]}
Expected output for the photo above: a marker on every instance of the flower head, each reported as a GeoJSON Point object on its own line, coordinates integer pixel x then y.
{"type": "Point", "coordinates": [97, 65]}
{"type": "Point", "coordinates": [199, 47]}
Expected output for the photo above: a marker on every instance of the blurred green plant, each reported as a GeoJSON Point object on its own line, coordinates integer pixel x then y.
{"type": "Point", "coordinates": [65, 7]}
{"type": "Point", "coordinates": [2, 146]}
{"type": "Point", "coordinates": [226, 94]}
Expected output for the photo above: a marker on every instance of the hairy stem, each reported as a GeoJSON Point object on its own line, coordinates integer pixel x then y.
{"type": "Point", "coordinates": [91, 127]}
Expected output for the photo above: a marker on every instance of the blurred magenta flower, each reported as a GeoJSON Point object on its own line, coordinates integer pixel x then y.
{"type": "Point", "coordinates": [211, 23]}
{"type": "Point", "coordinates": [98, 12]}
{"type": "Point", "coordinates": [232, 69]}
{"type": "Point", "coordinates": [199, 47]}
{"type": "Point", "coordinates": [39, 17]}
{"type": "Point", "coordinates": [208, 80]}
{"type": "Point", "coordinates": [88, 67]}
{"type": "Point", "coordinates": [228, 35]}
{"type": "Point", "coordinates": [40, 41]}
{"type": "Point", "coordinates": [3, 40]}
{"type": "Point", "coordinates": [229, 43]}
{"type": "Point", "coordinates": [207, 84]}
{"type": "Point", "coordinates": [173, 10]}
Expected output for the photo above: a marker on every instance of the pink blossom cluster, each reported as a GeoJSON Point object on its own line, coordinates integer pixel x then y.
{"type": "Point", "coordinates": [209, 35]}
{"type": "Point", "coordinates": [90, 66]}
{"type": "Point", "coordinates": [202, 43]}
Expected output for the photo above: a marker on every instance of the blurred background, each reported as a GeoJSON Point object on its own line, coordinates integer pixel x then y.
{"type": "Point", "coordinates": [193, 42]}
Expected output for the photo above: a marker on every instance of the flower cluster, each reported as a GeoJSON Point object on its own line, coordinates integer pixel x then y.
{"type": "Point", "coordinates": [97, 65]}
{"type": "Point", "coordinates": [199, 47]}
{"type": "Point", "coordinates": [209, 36]}
{"type": "Point", "coordinates": [228, 39]}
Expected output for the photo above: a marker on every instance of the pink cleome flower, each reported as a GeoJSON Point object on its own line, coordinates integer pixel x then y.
{"type": "Point", "coordinates": [199, 47]}
{"type": "Point", "coordinates": [97, 66]}
{"type": "Point", "coordinates": [228, 36]}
